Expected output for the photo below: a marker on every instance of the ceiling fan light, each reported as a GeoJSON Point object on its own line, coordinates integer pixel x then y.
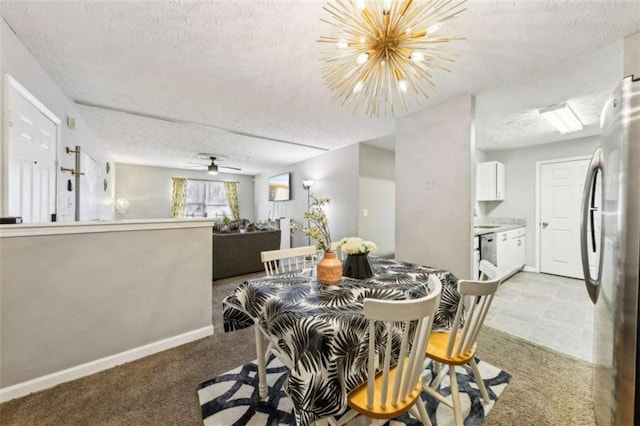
{"type": "Point", "coordinates": [212, 169]}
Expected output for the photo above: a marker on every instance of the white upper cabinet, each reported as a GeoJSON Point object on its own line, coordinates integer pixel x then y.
{"type": "Point", "coordinates": [490, 181]}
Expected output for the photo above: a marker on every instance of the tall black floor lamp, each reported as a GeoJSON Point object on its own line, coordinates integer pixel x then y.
{"type": "Point", "coordinates": [306, 184]}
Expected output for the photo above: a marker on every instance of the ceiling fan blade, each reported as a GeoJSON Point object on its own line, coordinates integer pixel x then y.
{"type": "Point", "coordinates": [228, 167]}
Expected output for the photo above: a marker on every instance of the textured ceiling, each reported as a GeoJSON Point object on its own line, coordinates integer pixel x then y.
{"type": "Point", "coordinates": [253, 66]}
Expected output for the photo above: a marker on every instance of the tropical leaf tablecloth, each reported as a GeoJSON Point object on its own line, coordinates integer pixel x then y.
{"type": "Point", "coordinates": [322, 329]}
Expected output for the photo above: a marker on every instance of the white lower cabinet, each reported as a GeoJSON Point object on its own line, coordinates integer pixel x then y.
{"type": "Point", "coordinates": [503, 252]}
{"type": "Point", "coordinates": [511, 250]}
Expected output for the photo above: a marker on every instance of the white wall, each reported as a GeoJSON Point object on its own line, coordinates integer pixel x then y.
{"type": "Point", "coordinates": [520, 172]}
{"type": "Point", "coordinates": [434, 161]}
{"type": "Point", "coordinates": [97, 294]}
{"type": "Point", "coordinates": [376, 194]}
{"type": "Point", "coordinates": [18, 61]}
{"type": "Point", "coordinates": [148, 189]}
{"type": "Point", "coordinates": [631, 64]}
{"type": "Point", "coordinates": [336, 176]}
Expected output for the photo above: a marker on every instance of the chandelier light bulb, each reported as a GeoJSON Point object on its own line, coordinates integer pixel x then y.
{"type": "Point", "coordinates": [432, 29]}
{"type": "Point", "coordinates": [358, 87]}
{"type": "Point", "coordinates": [417, 56]}
{"type": "Point", "coordinates": [362, 58]}
{"type": "Point", "coordinates": [360, 4]}
{"type": "Point", "coordinates": [342, 43]}
{"type": "Point", "coordinates": [403, 85]}
{"type": "Point", "coordinates": [387, 4]}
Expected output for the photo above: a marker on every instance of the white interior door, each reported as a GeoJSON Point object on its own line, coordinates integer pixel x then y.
{"type": "Point", "coordinates": [31, 161]}
{"type": "Point", "coordinates": [560, 200]}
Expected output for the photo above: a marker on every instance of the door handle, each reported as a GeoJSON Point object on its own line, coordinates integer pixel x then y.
{"type": "Point", "coordinates": [545, 224]}
{"type": "Point", "coordinates": [595, 166]}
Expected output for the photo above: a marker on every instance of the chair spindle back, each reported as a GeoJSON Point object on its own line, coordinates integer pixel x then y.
{"type": "Point", "coordinates": [288, 260]}
{"type": "Point", "coordinates": [416, 315]}
{"type": "Point", "coordinates": [481, 294]}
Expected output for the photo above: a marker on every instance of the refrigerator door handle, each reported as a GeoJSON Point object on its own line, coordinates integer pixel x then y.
{"type": "Point", "coordinates": [592, 209]}
{"type": "Point", "coordinates": [588, 200]}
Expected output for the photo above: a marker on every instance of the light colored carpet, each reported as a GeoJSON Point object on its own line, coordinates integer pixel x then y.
{"type": "Point", "coordinates": [546, 388]}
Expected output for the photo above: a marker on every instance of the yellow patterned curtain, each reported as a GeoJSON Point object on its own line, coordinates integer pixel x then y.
{"type": "Point", "coordinates": [178, 196]}
{"type": "Point", "coordinates": [231, 188]}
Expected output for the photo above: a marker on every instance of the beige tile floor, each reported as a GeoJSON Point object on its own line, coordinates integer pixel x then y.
{"type": "Point", "coordinates": [549, 310]}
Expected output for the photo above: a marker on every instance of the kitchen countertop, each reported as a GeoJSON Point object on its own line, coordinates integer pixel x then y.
{"type": "Point", "coordinates": [496, 228]}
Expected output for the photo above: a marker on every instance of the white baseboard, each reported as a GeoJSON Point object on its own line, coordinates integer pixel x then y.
{"type": "Point", "coordinates": [529, 269]}
{"type": "Point", "coordinates": [92, 367]}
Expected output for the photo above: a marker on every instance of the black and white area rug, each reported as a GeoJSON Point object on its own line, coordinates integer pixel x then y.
{"type": "Point", "coordinates": [232, 398]}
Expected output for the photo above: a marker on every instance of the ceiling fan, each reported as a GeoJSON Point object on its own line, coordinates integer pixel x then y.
{"type": "Point", "coordinates": [211, 168]}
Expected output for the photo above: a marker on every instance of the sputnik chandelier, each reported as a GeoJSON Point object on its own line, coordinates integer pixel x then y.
{"type": "Point", "coordinates": [381, 50]}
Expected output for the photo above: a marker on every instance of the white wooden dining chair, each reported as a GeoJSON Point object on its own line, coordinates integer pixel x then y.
{"type": "Point", "coordinates": [277, 262]}
{"type": "Point", "coordinates": [458, 346]}
{"type": "Point", "coordinates": [488, 271]}
{"type": "Point", "coordinates": [395, 390]}
{"type": "Point", "coordinates": [288, 260]}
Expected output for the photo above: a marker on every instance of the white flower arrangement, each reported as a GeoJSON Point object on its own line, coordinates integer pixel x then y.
{"type": "Point", "coordinates": [121, 205]}
{"type": "Point", "coordinates": [319, 224]}
{"type": "Point", "coordinates": [355, 245]}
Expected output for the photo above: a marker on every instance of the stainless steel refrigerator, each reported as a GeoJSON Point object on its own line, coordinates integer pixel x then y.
{"type": "Point", "coordinates": [611, 229]}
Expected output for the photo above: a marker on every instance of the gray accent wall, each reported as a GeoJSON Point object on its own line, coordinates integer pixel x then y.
{"type": "Point", "coordinates": [377, 195]}
{"type": "Point", "coordinates": [148, 189]}
{"type": "Point", "coordinates": [435, 185]}
{"type": "Point", "coordinates": [72, 299]}
{"type": "Point", "coordinates": [336, 176]}
{"type": "Point", "coordinates": [18, 61]}
{"type": "Point", "coordinates": [520, 175]}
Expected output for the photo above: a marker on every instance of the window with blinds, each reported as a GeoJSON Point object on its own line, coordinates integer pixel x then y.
{"type": "Point", "coordinates": [206, 198]}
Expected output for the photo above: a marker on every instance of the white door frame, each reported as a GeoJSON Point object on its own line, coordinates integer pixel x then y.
{"type": "Point", "coordinates": [539, 165]}
{"type": "Point", "coordinates": [12, 83]}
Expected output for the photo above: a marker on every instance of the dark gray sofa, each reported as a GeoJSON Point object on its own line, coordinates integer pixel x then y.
{"type": "Point", "coordinates": [236, 253]}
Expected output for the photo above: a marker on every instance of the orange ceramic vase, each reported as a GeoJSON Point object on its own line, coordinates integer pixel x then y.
{"type": "Point", "coordinates": [329, 269]}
